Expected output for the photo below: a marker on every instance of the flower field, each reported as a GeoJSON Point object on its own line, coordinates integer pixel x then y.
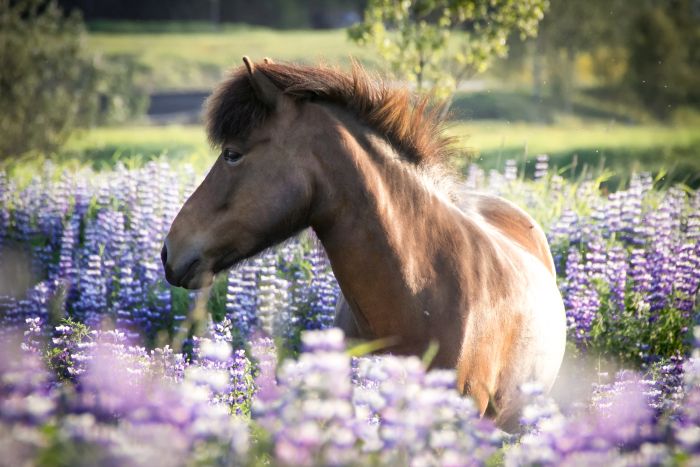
{"type": "Point", "coordinates": [105, 364]}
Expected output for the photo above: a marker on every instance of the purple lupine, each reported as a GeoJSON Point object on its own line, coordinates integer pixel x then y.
{"type": "Point", "coordinates": [145, 230]}
{"type": "Point", "coordinates": [9, 308]}
{"type": "Point", "coordinates": [613, 213]}
{"type": "Point", "coordinates": [313, 418]}
{"type": "Point", "coordinates": [511, 170]}
{"type": "Point", "coordinates": [23, 228]}
{"type": "Point", "coordinates": [564, 231]}
{"type": "Point", "coordinates": [668, 381]}
{"type": "Point", "coordinates": [660, 258]}
{"type": "Point", "coordinates": [241, 383]}
{"type": "Point", "coordinates": [81, 198]}
{"type": "Point", "coordinates": [92, 303]}
{"type": "Point", "coordinates": [69, 356]}
{"type": "Point", "coordinates": [68, 269]}
{"type": "Point", "coordinates": [266, 389]}
{"type": "Point", "coordinates": [640, 276]}
{"type": "Point", "coordinates": [26, 398]}
{"type": "Point", "coordinates": [632, 232]}
{"type": "Point", "coordinates": [621, 431]}
{"type": "Point", "coordinates": [221, 331]}
{"type": "Point", "coordinates": [687, 277]}
{"type": "Point", "coordinates": [616, 276]}
{"type": "Point", "coordinates": [39, 296]}
{"type": "Point", "coordinates": [169, 196]}
{"type": "Point", "coordinates": [161, 309]}
{"type": "Point", "coordinates": [35, 304]}
{"type": "Point", "coordinates": [686, 427]}
{"type": "Point", "coordinates": [241, 302]}
{"type": "Point", "coordinates": [323, 291]}
{"type": "Point", "coordinates": [581, 299]}
{"type": "Point", "coordinates": [129, 296]}
{"type": "Point", "coordinates": [33, 340]}
{"type": "Point", "coordinates": [541, 166]}
{"type": "Point", "coordinates": [112, 240]}
{"type": "Point", "coordinates": [418, 416]}
{"type": "Point", "coordinates": [595, 266]}
{"type": "Point", "coordinates": [234, 368]}
{"type": "Point", "coordinates": [692, 229]}
{"type": "Point", "coordinates": [267, 304]}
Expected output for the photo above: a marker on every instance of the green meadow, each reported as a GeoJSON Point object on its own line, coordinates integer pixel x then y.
{"type": "Point", "coordinates": [575, 147]}
{"type": "Point", "coordinates": [197, 59]}
{"type": "Point", "coordinates": [592, 147]}
{"type": "Point", "coordinates": [501, 121]}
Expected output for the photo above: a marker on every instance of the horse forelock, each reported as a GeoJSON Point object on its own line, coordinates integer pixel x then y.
{"type": "Point", "coordinates": [408, 123]}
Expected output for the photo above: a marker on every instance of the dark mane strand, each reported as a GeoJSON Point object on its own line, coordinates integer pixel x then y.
{"type": "Point", "coordinates": [408, 123]}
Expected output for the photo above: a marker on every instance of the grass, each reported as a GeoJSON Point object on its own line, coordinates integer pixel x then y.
{"type": "Point", "coordinates": [492, 126]}
{"type": "Point", "coordinates": [518, 105]}
{"type": "Point", "coordinates": [619, 148]}
{"type": "Point", "coordinates": [101, 148]}
{"type": "Point", "coordinates": [574, 146]}
{"type": "Point", "coordinates": [197, 59]}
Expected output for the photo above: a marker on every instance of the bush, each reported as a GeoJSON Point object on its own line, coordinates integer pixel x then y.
{"type": "Point", "coordinates": [49, 85]}
{"type": "Point", "coordinates": [120, 100]}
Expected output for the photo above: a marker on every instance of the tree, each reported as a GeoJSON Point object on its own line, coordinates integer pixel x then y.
{"type": "Point", "coordinates": [570, 28]}
{"type": "Point", "coordinates": [440, 43]}
{"type": "Point", "coordinates": [50, 85]}
{"type": "Point", "coordinates": [47, 84]}
{"type": "Point", "coordinates": [664, 62]}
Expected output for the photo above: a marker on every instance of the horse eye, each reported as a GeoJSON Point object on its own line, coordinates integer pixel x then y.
{"type": "Point", "coordinates": [231, 156]}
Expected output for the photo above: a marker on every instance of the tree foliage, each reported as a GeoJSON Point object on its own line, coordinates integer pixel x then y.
{"type": "Point", "coordinates": [664, 62]}
{"type": "Point", "coordinates": [49, 84]}
{"type": "Point", "coordinates": [439, 43]}
{"type": "Point", "coordinates": [644, 52]}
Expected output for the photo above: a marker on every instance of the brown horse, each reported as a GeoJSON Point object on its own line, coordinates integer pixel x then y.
{"type": "Point", "coordinates": [359, 163]}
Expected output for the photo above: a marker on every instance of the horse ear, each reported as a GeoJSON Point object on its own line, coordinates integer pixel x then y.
{"type": "Point", "coordinates": [265, 90]}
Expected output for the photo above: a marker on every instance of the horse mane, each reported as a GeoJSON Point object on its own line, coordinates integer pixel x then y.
{"type": "Point", "coordinates": [408, 123]}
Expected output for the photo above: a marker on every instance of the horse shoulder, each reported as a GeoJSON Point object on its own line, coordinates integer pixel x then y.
{"type": "Point", "coordinates": [514, 223]}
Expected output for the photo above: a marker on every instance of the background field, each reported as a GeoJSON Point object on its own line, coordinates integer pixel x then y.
{"type": "Point", "coordinates": [620, 148]}
{"type": "Point", "coordinates": [195, 59]}
{"type": "Point", "coordinates": [494, 119]}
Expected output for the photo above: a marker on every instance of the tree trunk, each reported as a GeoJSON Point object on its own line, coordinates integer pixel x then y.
{"type": "Point", "coordinates": [446, 105]}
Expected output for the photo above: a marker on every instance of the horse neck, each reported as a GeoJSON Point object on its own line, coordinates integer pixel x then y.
{"type": "Point", "coordinates": [383, 229]}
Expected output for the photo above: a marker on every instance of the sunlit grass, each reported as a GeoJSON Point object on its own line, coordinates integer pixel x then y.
{"type": "Point", "coordinates": [196, 60]}
{"type": "Point", "coordinates": [618, 148]}
{"type": "Point", "coordinates": [489, 136]}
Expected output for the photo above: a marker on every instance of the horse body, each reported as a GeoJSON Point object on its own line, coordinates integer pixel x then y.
{"type": "Point", "coordinates": [411, 265]}
{"type": "Point", "coordinates": [478, 281]}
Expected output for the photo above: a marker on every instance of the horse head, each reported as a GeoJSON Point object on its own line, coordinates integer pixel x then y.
{"type": "Point", "coordinates": [259, 190]}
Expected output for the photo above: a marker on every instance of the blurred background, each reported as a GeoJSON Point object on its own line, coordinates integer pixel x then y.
{"type": "Point", "coordinates": [604, 87]}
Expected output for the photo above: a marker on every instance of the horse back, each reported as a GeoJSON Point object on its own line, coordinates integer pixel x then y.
{"type": "Point", "coordinates": [514, 223]}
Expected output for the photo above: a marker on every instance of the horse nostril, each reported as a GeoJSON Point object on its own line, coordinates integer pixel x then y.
{"type": "Point", "coordinates": [164, 255]}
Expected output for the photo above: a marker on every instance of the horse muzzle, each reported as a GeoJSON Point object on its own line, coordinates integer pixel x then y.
{"type": "Point", "coordinates": [187, 273]}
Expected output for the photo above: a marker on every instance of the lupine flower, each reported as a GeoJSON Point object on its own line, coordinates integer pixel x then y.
{"type": "Point", "coordinates": [581, 299]}
{"type": "Point", "coordinates": [241, 301]}
{"type": "Point", "coordinates": [627, 263]}
{"type": "Point", "coordinates": [541, 166]}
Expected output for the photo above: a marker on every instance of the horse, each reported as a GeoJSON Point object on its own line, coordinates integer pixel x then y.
{"type": "Point", "coordinates": [362, 164]}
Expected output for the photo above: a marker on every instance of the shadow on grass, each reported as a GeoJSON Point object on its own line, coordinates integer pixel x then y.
{"type": "Point", "coordinates": [517, 106]}
{"type": "Point", "coordinates": [676, 164]}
